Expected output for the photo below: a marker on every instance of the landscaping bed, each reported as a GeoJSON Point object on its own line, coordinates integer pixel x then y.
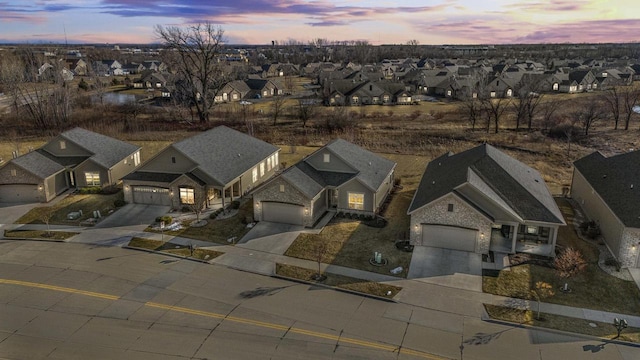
{"type": "Point", "coordinates": [168, 247]}
{"type": "Point", "coordinates": [39, 234]}
{"type": "Point", "coordinates": [216, 231]}
{"type": "Point", "coordinates": [339, 281]}
{"type": "Point", "coordinates": [562, 323]}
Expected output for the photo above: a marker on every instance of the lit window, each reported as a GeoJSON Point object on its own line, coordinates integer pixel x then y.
{"type": "Point", "coordinates": [356, 201]}
{"type": "Point", "coordinates": [532, 230]}
{"type": "Point", "coordinates": [269, 164]}
{"type": "Point", "coordinates": [450, 207]}
{"type": "Point", "coordinates": [262, 168]}
{"type": "Point", "coordinates": [275, 160]}
{"type": "Point", "coordinates": [327, 158]}
{"type": "Point", "coordinates": [92, 178]}
{"type": "Point", "coordinates": [63, 145]}
{"type": "Point", "coordinates": [281, 188]}
{"type": "Point", "coordinates": [136, 158]}
{"type": "Point", "coordinates": [254, 174]}
{"type": "Point", "coordinates": [492, 94]}
{"type": "Point", "coordinates": [187, 196]}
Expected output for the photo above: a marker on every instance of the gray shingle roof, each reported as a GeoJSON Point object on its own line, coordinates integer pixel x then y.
{"type": "Point", "coordinates": [612, 178]}
{"type": "Point", "coordinates": [38, 164]}
{"type": "Point", "coordinates": [519, 186]}
{"type": "Point", "coordinates": [371, 168]}
{"type": "Point", "coordinates": [304, 180]}
{"type": "Point", "coordinates": [224, 153]}
{"type": "Point", "coordinates": [151, 176]}
{"type": "Point", "coordinates": [106, 150]}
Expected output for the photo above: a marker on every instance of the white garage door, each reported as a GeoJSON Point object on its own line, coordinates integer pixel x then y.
{"type": "Point", "coordinates": [282, 213]}
{"type": "Point", "coordinates": [19, 193]}
{"type": "Point", "coordinates": [151, 195]}
{"type": "Point", "coordinates": [449, 237]}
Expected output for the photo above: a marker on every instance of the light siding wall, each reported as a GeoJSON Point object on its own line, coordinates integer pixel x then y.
{"type": "Point", "coordinates": [355, 186]}
{"type": "Point", "coordinates": [120, 170]}
{"type": "Point", "coordinates": [70, 148]}
{"type": "Point", "coordinates": [595, 208]}
{"type": "Point", "coordinates": [335, 164]}
{"type": "Point", "coordinates": [163, 163]}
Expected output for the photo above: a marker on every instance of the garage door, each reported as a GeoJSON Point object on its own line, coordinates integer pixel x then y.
{"type": "Point", "coordinates": [151, 195]}
{"type": "Point", "coordinates": [282, 213]}
{"type": "Point", "coordinates": [449, 237]}
{"type": "Point", "coordinates": [19, 193]}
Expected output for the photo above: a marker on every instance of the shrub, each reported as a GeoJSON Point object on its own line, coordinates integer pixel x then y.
{"type": "Point", "coordinates": [83, 85]}
{"type": "Point", "coordinates": [118, 203]}
{"type": "Point", "coordinates": [569, 263]}
{"type": "Point", "coordinates": [90, 190]}
{"type": "Point", "coordinates": [612, 262]}
{"type": "Point", "coordinates": [590, 229]}
{"type": "Point", "coordinates": [214, 215]}
{"type": "Point", "coordinates": [234, 205]}
{"type": "Point", "coordinates": [109, 190]}
{"type": "Point", "coordinates": [185, 209]}
{"type": "Point", "coordinates": [166, 219]}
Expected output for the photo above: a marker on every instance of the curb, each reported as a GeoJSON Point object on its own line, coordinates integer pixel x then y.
{"type": "Point", "coordinates": [339, 289]}
{"type": "Point", "coordinates": [166, 254]}
{"type": "Point", "coordinates": [485, 317]}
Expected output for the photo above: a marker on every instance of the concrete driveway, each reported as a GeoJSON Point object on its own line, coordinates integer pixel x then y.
{"type": "Point", "coordinates": [274, 238]}
{"type": "Point", "coordinates": [10, 212]}
{"type": "Point", "coordinates": [452, 268]}
{"type": "Point", "coordinates": [133, 214]}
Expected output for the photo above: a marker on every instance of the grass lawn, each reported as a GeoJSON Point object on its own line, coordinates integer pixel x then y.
{"type": "Point", "coordinates": [563, 323]}
{"type": "Point", "coordinates": [74, 202]}
{"type": "Point", "coordinates": [351, 243]}
{"type": "Point", "coordinates": [592, 289]}
{"type": "Point", "coordinates": [201, 254]}
{"type": "Point", "coordinates": [219, 231]}
{"type": "Point", "coordinates": [39, 234]}
{"type": "Point", "coordinates": [345, 282]}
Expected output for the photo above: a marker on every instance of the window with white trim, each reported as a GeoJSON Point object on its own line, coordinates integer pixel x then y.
{"type": "Point", "coordinates": [254, 174]}
{"type": "Point", "coordinates": [262, 169]}
{"type": "Point", "coordinates": [356, 201]}
{"type": "Point", "coordinates": [276, 160]}
{"type": "Point", "coordinates": [269, 163]}
{"type": "Point", "coordinates": [187, 196]}
{"type": "Point", "coordinates": [14, 172]}
{"type": "Point", "coordinates": [92, 178]}
{"type": "Point", "coordinates": [136, 158]}
{"type": "Point", "coordinates": [281, 187]}
{"type": "Point", "coordinates": [63, 145]}
{"type": "Point", "coordinates": [326, 158]}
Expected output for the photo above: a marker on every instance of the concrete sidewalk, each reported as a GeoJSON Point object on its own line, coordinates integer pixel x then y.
{"type": "Point", "coordinates": [414, 292]}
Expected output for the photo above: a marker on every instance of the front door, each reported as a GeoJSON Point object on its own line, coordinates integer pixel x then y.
{"type": "Point", "coordinates": [333, 198]}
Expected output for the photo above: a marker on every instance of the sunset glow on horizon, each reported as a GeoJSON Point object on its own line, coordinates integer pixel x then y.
{"type": "Point", "coordinates": [376, 21]}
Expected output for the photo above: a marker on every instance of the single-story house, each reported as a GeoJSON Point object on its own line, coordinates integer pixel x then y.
{"type": "Point", "coordinates": [215, 166]}
{"type": "Point", "coordinates": [75, 158]}
{"type": "Point", "coordinates": [608, 191]}
{"type": "Point", "coordinates": [340, 177]}
{"type": "Point", "coordinates": [483, 200]}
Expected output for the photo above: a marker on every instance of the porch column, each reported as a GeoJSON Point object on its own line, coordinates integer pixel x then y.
{"type": "Point", "coordinates": [224, 190]}
{"type": "Point", "coordinates": [514, 238]}
{"type": "Point", "coordinates": [554, 237]}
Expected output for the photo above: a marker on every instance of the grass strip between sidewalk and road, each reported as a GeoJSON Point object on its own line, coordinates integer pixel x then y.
{"type": "Point", "coordinates": [174, 249]}
{"type": "Point", "coordinates": [339, 281]}
{"type": "Point", "coordinates": [562, 323]}
{"type": "Point", "coordinates": [39, 234]}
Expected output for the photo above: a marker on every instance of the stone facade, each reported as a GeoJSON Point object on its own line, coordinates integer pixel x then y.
{"type": "Point", "coordinates": [630, 249]}
{"type": "Point", "coordinates": [290, 195]}
{"type": "Point", "coordinates": [463, 215]}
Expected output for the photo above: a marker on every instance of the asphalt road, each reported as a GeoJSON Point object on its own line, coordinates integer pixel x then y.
{"type": "Point", "coordinates": [78, 301]}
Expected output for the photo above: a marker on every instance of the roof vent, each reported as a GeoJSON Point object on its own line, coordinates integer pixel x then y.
{"type": "Point", "coordinates": [604, 176]}
{"type": "Point", "coordinates": [369, 163]}
{"type": "Point", "coordinates": [238, 154]}
{"type": "Point", "coordinates": [434, 182]}
{"type": "Point", "coordinates": [632, 186]}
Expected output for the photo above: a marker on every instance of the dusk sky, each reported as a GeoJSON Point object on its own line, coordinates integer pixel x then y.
{"type": "Point", "coordinates": [377, 21]}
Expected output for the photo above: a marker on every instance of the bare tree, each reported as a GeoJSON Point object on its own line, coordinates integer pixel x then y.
{"type": "Point", "coordinates": [199, 202]}
{"type": "Point", "coordinates": [613, 99]}
{"type": "Point", "coordinates": [473, 110]}
{"type": "Point", "coordinates": [569, 263]}
{"type": "Point", "coordinates": [307, 109]}
{"type": "Point", "coordinates": [195, 52]}
{"type": "Point", "coordinates": [630, 98]}
{"type": "Point", "coordinates": [588, 112]}
{"type": "Point", "coordinates": [277, 107]}
{"type": "Point", "coordinates": [549, 110]}
{"type": "Point", "coordinates": [320, 251]}
{"type": "Point", "coordinates": [542, 291]}
{"type": "Point", "coordinates": [46, 214]}
{"type": "Point", "coordinates": [494, 109]}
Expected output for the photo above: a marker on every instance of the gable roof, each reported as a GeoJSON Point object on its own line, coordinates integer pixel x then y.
{"type": "Point", "coordinates": [38, 164]}
{"type": "Point", "coordinates": [106, 150]}
{"type": "Point", "coordinates": [371, 169]}
{"type": "Point", "coordinates": [612, 178]}
{"type": "Point", "coordinates": [517, 184]}
{"type": "Point", "coordinates": [224, 153]}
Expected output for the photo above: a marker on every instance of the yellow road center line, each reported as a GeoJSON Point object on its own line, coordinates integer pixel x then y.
{"type": "Point", "coordinates": [363, 343]}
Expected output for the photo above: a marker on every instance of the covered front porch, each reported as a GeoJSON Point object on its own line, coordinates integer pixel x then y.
{"type": "Point", "coordinates": [223, 196]}
{"type": "Point", "coordinates": [520, 238]}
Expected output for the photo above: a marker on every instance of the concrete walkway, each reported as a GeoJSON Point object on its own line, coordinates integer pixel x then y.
{"type": "Point", "coordinates": [414, 292]}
